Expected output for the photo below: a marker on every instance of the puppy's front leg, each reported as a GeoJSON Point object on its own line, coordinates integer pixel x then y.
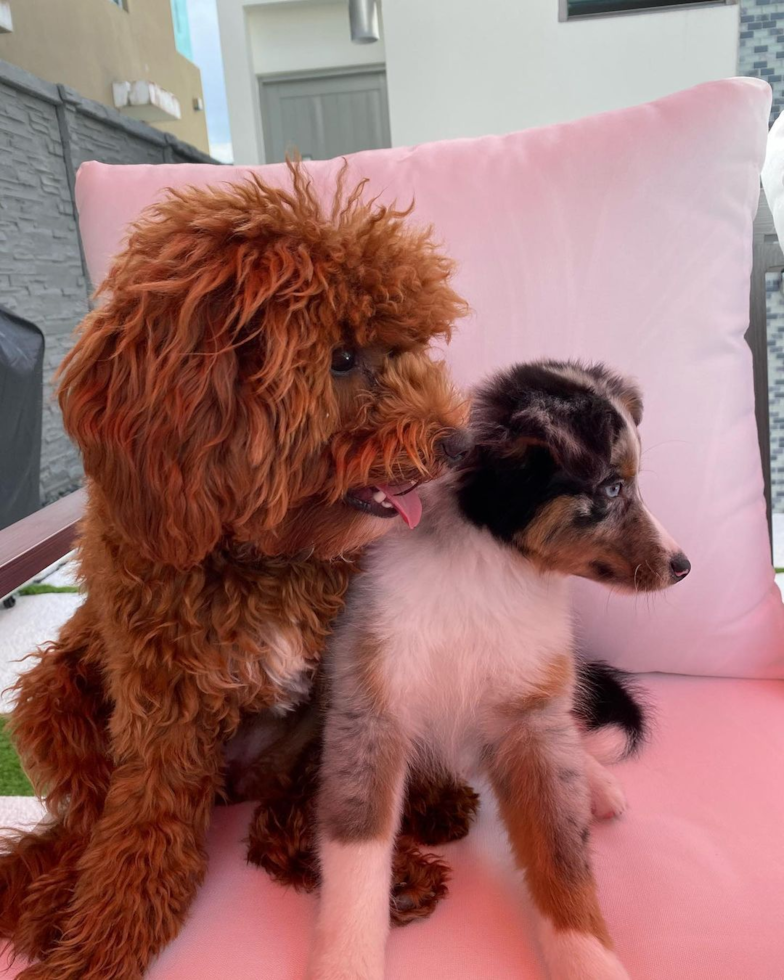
{"type": "Point", "coordinates": [359, 805]}
{"type": "Point", "coordinates": [537, 768]}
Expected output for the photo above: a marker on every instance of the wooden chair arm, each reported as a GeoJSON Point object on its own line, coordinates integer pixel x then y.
{"type": "Point", "coordinates": [39, 540]}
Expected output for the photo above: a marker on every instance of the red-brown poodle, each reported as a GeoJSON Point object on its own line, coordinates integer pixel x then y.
{"type": "Point", "coordinates": [257, 371]}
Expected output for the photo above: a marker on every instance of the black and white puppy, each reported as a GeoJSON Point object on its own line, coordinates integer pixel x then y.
{"type": "Point", "coordinates": [456, 650]}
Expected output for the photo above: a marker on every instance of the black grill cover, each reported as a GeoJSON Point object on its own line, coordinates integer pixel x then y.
{"type": "Point", "coordinates": [21, 405]}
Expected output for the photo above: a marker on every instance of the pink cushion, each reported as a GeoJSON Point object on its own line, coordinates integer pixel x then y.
{"type": "Point", "coordinates": [624, 237]}
{"type": "Point", "coordinates": [690, 878]}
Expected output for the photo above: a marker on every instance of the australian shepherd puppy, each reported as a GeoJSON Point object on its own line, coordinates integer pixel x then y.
{"type": "Point", "coordinates": [456, 651]}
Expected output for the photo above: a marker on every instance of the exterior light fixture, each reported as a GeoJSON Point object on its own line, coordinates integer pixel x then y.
{"type": "Point", "coordinates": [363, 16]}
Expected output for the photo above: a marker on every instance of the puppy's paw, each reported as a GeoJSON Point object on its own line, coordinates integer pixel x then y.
{"type": "Point", "coordinates": [330, 967]}
{"type": "Point", "coordinates": [320, 971]}
{"type": "Point", "coordinates": [608, 799]}
{"type": "Point", "coordinates": [579, 956]}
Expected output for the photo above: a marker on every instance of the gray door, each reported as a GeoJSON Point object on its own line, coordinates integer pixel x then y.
{"type": "Point", "coordinates": [324, 116]}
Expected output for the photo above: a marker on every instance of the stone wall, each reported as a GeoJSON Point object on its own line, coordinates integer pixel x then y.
{"type": "Point", "coordinates": [761, 54]}
{"type": "Point", "coordinates": [46, 132]}
{"type": "Point", "coordinates": [761, 48]}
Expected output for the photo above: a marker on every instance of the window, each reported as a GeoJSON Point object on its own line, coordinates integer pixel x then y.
{"type": "Point", "coordinates": [182, 28]}
{"type": "Point", "coordinates": [570, 9]}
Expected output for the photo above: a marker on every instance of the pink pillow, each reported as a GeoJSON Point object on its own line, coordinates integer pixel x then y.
{"type": "Point", "coordinates": [624, 237]}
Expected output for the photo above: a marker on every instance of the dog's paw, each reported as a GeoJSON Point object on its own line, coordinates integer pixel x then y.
{"type": "Point", "coordinates": [608, 799]}
{"type": "Point", "coordinates": [439, 812]}
{"type": "Point", "coordinates": [419, 882]}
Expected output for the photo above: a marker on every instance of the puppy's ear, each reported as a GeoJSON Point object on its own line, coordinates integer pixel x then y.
{"type": "Point", "coordinates": [630, 396]}
{"type": "Point", "coordinates": [577, 436]}
{"type": "Point", "coordinates": [622, 389]}
{"type": "Point", "coordinates": [178, 390]}
{"type": "Point", "coordinates": [536, 405]}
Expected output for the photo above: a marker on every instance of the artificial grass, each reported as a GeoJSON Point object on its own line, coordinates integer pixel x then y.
{"type": "Point", "coordinates": [13, 781]}
{"type": "Point", "coordinates": [41, 588]}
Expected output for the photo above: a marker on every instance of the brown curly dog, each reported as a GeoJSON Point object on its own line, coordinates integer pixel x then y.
{"type": "Point", "coordinates": [257, 370]}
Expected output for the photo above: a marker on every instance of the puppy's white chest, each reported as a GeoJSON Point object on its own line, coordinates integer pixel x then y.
{"type": "Point", "coordinates": [473, 628]}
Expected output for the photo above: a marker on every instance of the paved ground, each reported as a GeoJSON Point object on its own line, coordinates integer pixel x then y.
{"type": "Point", "coordinates": [778, 547]}
{"type": "Point", "coordinates": [20, 812]}
{"type": "Point", "coordinates": [35, 619]}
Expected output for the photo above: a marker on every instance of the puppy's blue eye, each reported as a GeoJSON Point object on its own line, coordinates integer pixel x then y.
{"type": "Point", "coordinates": [613, 489]}
{"type": "Point", "coordinates": [344, 360]}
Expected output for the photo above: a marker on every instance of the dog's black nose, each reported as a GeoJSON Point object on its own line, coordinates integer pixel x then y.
{"type": "Point", "coordinates": [680, 566]}
{"type": "Point", "coordinates": [456, 446]}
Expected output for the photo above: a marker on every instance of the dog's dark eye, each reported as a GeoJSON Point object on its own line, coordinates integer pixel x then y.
{"type": "Point", "coordinates": [613, 489]}
{"type": "Point", "coordinates": [344, 359]}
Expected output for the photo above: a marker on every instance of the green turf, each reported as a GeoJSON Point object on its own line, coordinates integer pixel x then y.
{"type": "Point", "coordinates": [41, 588]}
{"type": "Point", "coordinates": [13, 781]}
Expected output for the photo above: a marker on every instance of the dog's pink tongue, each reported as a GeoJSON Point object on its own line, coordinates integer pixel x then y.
{"type": "Point", "coordinates": [409, 506]}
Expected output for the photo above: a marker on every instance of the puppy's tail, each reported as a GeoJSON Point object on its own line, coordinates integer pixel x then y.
{"type": "Point", "coordinates": [611, 710]}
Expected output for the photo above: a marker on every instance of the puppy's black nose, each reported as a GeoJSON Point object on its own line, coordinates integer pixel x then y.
{"type": "Point", "coordinates": [456, 446]}
{"type": "Point", "coordinates": [680, 566]}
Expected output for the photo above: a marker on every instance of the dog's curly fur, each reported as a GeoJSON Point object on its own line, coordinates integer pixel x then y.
{"type": "Point", "coordinates": [279, 767]}
{"type": "Point", "coordinates": [283, 832]}
{"type": "Point", "coordinates": [217, 544]}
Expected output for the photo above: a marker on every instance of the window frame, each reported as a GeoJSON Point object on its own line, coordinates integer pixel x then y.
{"type": "Point", "coordinates": [565, 17]}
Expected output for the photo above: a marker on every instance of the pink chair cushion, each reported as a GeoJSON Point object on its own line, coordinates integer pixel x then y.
{"type": "Point", "coordinates": [690, 878]}
{"type": "Point", "coordinates": [625, 237]}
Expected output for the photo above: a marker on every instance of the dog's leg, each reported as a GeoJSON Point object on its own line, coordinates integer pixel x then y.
{"type": "Point", "coordinates": [145, 857]}
{"type": "Point", "coordinates": [282, 835]}
{"type": "Point", "coordinates": [419, 882]}
{"type": "Point", "coordinates": [40, 866]}
{"type": "Point", "coordinates": [359, 804]}
{"type": "Point", "coordinates": [59, 730]}
{"type": "Point", "coordinates": [536, 765]}
{"type": "Point", "coordinates": [439, 808]}
{"type": "Point", "coordinates": [282, 840]}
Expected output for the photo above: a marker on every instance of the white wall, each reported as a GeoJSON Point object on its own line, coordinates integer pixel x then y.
{"type": "Point", "coordinates": [242, 95]}
{"type": "Point", "coordinates": [264, 37]}
{"type": "Point", "coordinates": [306, 37]}
{"type": "Point", "coordinates": [471, 67]}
